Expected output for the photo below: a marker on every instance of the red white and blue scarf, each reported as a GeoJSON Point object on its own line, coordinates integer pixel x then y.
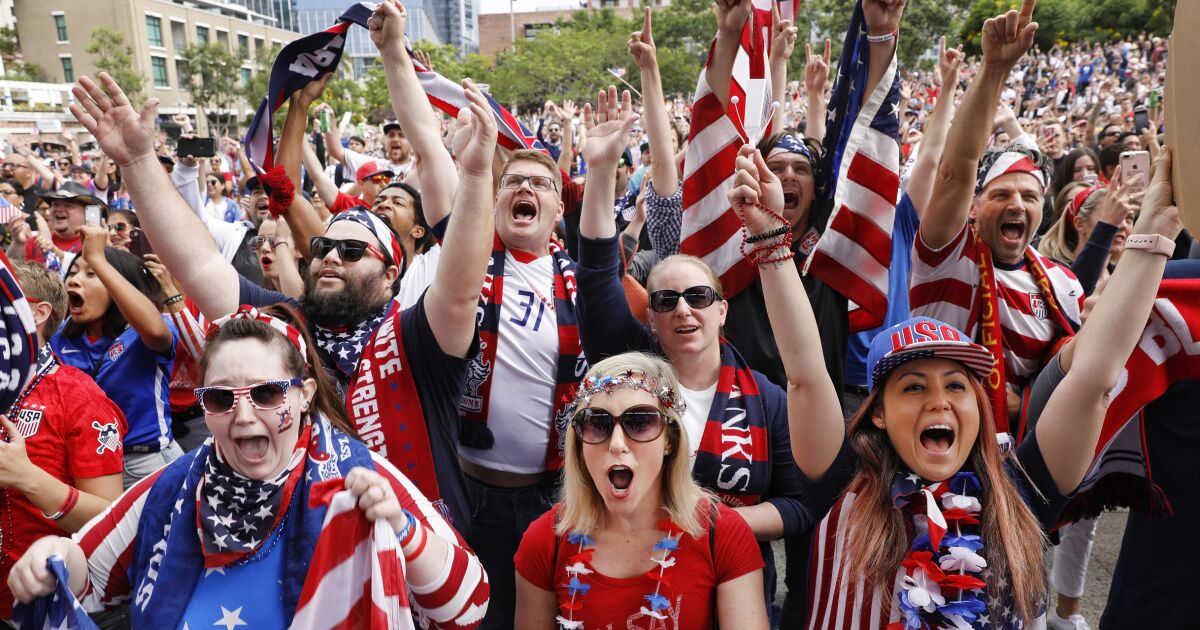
{"type": "Point", "coordinates": [734, 456]}
{"type": "Point", "coordinates": [570, 369]}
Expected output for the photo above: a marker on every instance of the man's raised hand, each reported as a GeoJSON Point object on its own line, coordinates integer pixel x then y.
{"type": "Point", "coordinates": [124, 135]}
{"type": "Point", "coordinates": [607, 127]}
{"type": "Point", "coordinates": [783, 36]}
{"type": "Point", "coordinates": [474, 140]}
{"type": "Point", "coordinates": [386, 25]}
{"type": "Point", "coordinates": [641, 44]}
{"type": "Point", "coordinates": [755, 184]}
{"type": "Point", "coordinates": [949, 62]}
{"type": "Point", "coordinates": [732, 16]}
{"type": "Point", "coordinates": [883, 16]}
{"type": "Point", "coordinates": [816, 69]}
{"type": "Point", "coordinates": [1006, 38]}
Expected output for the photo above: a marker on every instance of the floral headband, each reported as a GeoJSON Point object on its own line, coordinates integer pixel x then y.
{"type": "Point", "coordinates": [246, 311]}
{"type": "Point", "coordinates": [593, 385]}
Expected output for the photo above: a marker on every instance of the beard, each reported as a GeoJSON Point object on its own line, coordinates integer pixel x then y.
{"type": "Point", "coordinates": [356, 302]}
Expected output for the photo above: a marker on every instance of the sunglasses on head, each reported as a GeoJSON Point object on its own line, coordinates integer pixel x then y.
{"type": "Point", "coordinates": [349, 250]}
{"type": "Point", "coordinates": [640, 424]}
{"type": "Point", "coordinates": [266, 395]}
{"type": "Point", "coordinates": [664, 301]}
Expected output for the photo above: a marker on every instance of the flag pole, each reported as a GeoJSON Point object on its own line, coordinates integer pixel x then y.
{"type": "Point", "coordinates": [622, 80]}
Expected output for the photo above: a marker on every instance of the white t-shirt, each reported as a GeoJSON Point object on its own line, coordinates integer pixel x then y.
{"type": "Point", "coordinates": [354, 160]}
{"type": "Point", "coordinates": [521, 405]}
{"type": "Point", "coordinates": [419, 276]}
{"type": "Point", "coordinates": [695, 417]}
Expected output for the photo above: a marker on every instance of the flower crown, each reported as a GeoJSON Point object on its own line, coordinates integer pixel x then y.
{"type": "Point", "coordinates": [593, 385]}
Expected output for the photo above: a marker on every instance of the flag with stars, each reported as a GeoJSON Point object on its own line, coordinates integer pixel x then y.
{"type": "Point", "coordinates": [59, 611]}
{"type": "Point", "coordinates": [862, 175]}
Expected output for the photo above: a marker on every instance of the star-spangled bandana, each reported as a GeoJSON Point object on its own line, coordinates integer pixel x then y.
{"type": "Point", "coordinates": [342, 346]}
{"type": "Point", "coordinates": [235, 514]}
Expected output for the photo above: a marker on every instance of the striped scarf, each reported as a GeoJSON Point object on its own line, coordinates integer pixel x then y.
{"type": "Point", "coordinates": [571, 365]}
{"type": "Point", "coordinates": [733, 459]}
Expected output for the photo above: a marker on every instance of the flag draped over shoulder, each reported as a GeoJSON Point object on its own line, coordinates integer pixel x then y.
{"type": "Point", "coordinates": [306, 59]}
{"type": "Point", "coordinates": [710, 228]}
{"type": "Point", "coordinates": [862, 174]}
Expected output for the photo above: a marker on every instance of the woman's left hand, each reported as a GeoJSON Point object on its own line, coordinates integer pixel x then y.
{"type": "Point", "coordinates": [95, 239]}
{"type": "Point", "coordinates": [755, 184]}
{"type": "Point", "coordinates": [15, 467]}
{"type": "Point", "coordinates": [376, 497]}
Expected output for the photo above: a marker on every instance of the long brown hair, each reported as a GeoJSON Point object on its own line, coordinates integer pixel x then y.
{"type": "Point", "coordinates": [879, 538]}
{"type": "Point", "coordinates": [325, 401]}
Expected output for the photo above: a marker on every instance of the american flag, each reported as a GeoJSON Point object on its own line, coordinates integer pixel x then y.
{"type": "Point", "coordinates": [710, 228]}
{"type": "Point", "coordinates": [352, 552]}
{"type": "Point", "coordinates": [59, 611]}
{"type": "Point", "coordinates": [862, 171]}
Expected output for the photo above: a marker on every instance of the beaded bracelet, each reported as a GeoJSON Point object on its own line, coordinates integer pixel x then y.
{"type": "Point", "coordinates": [879, 39]}
{"type": "Point", "coordinates": [67, 505]}
{"type": "Point", "coordinates": [762, 255]}
{"type": "Point", "coordinates": [779, 231]}
{"type": "Point", "coordinates": [174, 299]}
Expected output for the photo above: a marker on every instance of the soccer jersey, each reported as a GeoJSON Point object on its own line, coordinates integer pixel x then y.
{"type": "Point", "coordinates": [945, 286]}
{"type": "Point", "coordinates": [135, 377]}
{"type": "Point", "coordinates": [522, 394]}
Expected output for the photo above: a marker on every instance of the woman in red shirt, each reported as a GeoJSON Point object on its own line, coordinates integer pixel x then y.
{"type": "Point", "coordinates": [634, 541]}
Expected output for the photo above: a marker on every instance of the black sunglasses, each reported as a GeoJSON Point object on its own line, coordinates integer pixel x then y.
{"type": "Point", "coordinates": [349, 250]}
{"type": "Point", "coordinates": [640, 424]}
{"type": "Point", "coordinates": [696, 297]}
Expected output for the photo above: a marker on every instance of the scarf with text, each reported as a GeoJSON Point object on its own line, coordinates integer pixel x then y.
{"type": "Point", "coordinates": [991, 333]}
{"type": "Point", "coordinates": [571, 365]}
{"type": "Point", "coordinates": [734, 456]}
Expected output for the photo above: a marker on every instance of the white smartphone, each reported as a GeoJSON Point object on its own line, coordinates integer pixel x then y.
{"type": "Point", "coordinates": [1136, 163]}
{"type": "Point", "coordinates": [91, 215]}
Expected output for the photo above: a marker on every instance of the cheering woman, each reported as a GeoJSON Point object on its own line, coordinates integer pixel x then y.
{"type": "Point", "coordinates": [227, 534]}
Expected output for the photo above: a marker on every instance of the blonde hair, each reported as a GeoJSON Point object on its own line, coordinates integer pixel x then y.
{"type": "Point", "coordinates": [1062, 239]}
{"type": "Point", "coordinates": [686, 258]}
{"type": "Point", "coordinates": [582, 508]}
{"type": "Point", "coordinates": [533, 155]}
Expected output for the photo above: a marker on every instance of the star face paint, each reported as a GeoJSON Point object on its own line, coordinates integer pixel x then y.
{"type": "Point", "coordinates": [285, 420]}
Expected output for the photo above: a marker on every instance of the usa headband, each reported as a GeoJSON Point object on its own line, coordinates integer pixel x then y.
{"type": "Point", "coordinates": [246, 311]}
{"type": "Point", "coordinates": [383, 233]}
{"type": "Point", "coordinates": [790, 143]}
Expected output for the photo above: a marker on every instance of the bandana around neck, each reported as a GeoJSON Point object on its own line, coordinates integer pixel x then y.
{"type": "Point", "coordinates": [342, 347]}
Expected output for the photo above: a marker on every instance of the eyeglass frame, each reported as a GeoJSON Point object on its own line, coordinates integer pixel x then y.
{"type": "Point", "coordinates": [238, 392]}
{"type": "Point", "coordinates": [368, 248]}
{"type": "Point", "coordinates": [527, 178]}
{"type": "Point", "coordinates": [709, 293]}
{"type": "Point", "coordinates": [619, 420]}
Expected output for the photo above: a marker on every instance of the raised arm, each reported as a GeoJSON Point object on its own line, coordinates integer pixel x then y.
{"type": "Point", "coordinates": [783, 41]}
{"type": "Point", "coordinates": [333, 137]}
{"type": "Point", "coordinates": [438, 176]}
{"type": "Point", "coordinates": [453, 297]}
{"type": "Point", "coordinates": [566, 157]}
{"type": "Point", "coordinates": [814, 413]}
{"type": "Point", "coordinates": [127, 136]}
{"type": "Point", "coordinates": [731, 19]}
{"type": "Point", "coordinates": [321, 182]}
{"type": "Point", "coordinates": [933, 141]}
{"type": "Point", "coordinates": [301, 217]}
{"type": "Point", "coordinates": [1070, 424]}
{"type": "Point", "coordinates": [607, 129]}
{"type": "Point", "coordinates": [816, 75]}
{"type": "Point", "coordinates": [656, 121]}
{"type": "Point", "coordinates": [137, 309]}
{"type": "Point", "coordinates": [1005, 40]}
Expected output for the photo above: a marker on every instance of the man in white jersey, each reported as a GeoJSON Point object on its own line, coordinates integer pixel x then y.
{"type": "Point", "coordinates": [973, 266]}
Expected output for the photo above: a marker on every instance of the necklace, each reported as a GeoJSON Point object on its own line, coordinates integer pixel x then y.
{"type": "Point", "coordinates": [579, 565]}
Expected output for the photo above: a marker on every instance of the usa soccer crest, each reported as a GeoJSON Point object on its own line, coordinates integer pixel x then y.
{"type": "Point", "coordinates": [116, 350]}
{"type": "Point", "coordinates": [1038, 306]}
{"type": "Point", "coordinates": [28, 420]}
{"type": "Point", "coordinates": [809, 242]}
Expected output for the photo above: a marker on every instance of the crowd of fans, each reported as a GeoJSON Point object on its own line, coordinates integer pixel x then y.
{"type": "Point", "coordinates": [450, 334]}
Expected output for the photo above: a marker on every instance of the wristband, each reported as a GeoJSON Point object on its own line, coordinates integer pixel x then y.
{"type": "Point", "coordinates": [174, 299]}
{"type": "Point", "coordinates": [67, 505]}
{"type": "Point", "coordinates": [779, 231]}
{"type": "Point", "coordinates": [1153, 243]}
{"type": "Point", "coordinates": [879, 39]}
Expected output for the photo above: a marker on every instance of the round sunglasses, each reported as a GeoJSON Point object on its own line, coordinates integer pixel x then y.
{"type": "Point", "coordinates": [641, 424]}
{"type": "Point", "coordinates": [664, 301]}
{"type": "Point", "coordinates": [217, 400]}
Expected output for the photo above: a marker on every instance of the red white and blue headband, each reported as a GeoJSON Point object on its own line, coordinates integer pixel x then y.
{"type": "Point", "coordinates": [1009, 162]}
{"type": "Point", "coordinates": [383, 233]}
{"type": "Point", "coordinates": [791, 143]}
{"type": "Point", "coordinates": [246, 311]}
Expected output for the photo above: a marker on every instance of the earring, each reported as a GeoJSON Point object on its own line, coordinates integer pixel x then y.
{"type": "Point", "coordinates": [305, 407]}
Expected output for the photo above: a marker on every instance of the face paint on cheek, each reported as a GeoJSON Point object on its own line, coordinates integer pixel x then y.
{"type": "Point", "coordinates": [285, 420]}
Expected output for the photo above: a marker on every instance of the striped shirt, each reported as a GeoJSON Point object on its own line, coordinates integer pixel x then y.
{"type": "Point", "coordinates": [945, 286]}
{"type": "Point", "coordinates": [460, 590]}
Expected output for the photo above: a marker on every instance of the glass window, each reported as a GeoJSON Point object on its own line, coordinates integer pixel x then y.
{"type": "Point", "coordinates": [201, 35]}
{"type": "Point", "coordinates": [245, 78]}
{"type": "Point", "coordinates": [181, 71]}
{"type": "Point", "coordinates": [243, 46]}
{"type": "Point", "coordinates": [223, 38]}
{"type": "Point", "coordinates": [154, 30]}
{"type": "Point", "coordinates": [60, 25]}
{"type": "Point", "coordinates": [68, 70]}
{"type": "Point", "coordinates": [179, 36]}
{"type": "Point", "coordinates": [158, 67]}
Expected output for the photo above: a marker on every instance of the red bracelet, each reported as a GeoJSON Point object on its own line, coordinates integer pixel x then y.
{"type": "Point", "coordinates": [753, 255]}
{"type": "Point", "coordinates": [418, 530]}
{"type": "Point", "coordinates": [67, 505]}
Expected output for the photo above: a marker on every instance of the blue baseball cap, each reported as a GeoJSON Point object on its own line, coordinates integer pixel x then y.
{"type": "Point", "coordinates": [923, 338]}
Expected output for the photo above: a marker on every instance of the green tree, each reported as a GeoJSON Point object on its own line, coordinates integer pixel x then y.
{"type": "Point", "coordinates": [260, 79]}
{"type": "Point", "coordinates": [111, 54]}
{"type": "Point", "coordinates": [212, 80]}
{"type": "Point", "coordinates": [10, 44]}
{"type": "Point", "coordinates": [1064, 21]}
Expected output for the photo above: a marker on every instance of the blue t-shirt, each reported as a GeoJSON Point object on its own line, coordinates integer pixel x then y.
{"type": "Point", "coordinates": [249, 595]}
{"type": "Point", "coordinates": [135, 377]}
{"type": "Point", "coordinates": [904, 232]}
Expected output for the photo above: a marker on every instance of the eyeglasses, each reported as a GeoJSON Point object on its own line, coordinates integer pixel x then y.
{"type": "Point", "coordinates": [640, 424]}
{"type": "Point", "coordinates": [349, 250]}
{"type": "Point", "coordinates": [1110, 134]}
{"type": "Point", "coordinates": [119, 228]}
{"type": "Point", "coordinates": [13, 165]}
{"type": "Point", "coordinates": [213, 182]}
{"type": "Point", "coordinates": [7, 191]}
{"type": "Point", "coordinates": [379, 179]}
{"type": "Point", "coordinates": [266, 395]}
{"type": "Point", "coordinates": [536, 182]}
{"type": "Point", "coordinates": [65, 165]}
{"type": "Point", "coordinates": [696, 297]}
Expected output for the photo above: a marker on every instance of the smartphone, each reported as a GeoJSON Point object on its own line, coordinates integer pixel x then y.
{"type": "Point", "coordinates": [139, 245]}
{"type": "Point", "coordinates": [1135, 163]}
{"type": "Point", "coordinates": [196, 147]}
{"type": "Point", "coordinates": [91, 215]}
{"type": "Point", "coordinates": [1141, 120]}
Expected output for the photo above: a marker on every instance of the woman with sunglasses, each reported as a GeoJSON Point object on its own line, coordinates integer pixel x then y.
{"type": "Point", "coordinates": [736, 419]}
{"type": "Point", "coordinates": [634, 540]}
{"type": "Point", "coordinates": [121, 226]}
{"type": "Point", "coordinates": [235, 532]}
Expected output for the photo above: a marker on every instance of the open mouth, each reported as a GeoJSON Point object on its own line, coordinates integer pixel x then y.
{"type": "Point", "coordinates": [252, 448]}
{"type": "Point", "coordinates": [937, 438]}
{"type": "Point", "coordinates": [620, 478]}
{"type": "Point", "coordinates": [686, 330]}
{"type": "Point", "coordinates": [1012, 230]}
{"type": "Point", "coordinates": [791, 200]}
{"type": "Point", "coordinates": [523, 211]}
{"type": "Point", "coordinates": [74, 301]}
{"type": "Point", "coordinates": [267, 262]}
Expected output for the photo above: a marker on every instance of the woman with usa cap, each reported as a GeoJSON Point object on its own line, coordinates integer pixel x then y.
{"type": "Point", "coordinates": [928, 522]}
